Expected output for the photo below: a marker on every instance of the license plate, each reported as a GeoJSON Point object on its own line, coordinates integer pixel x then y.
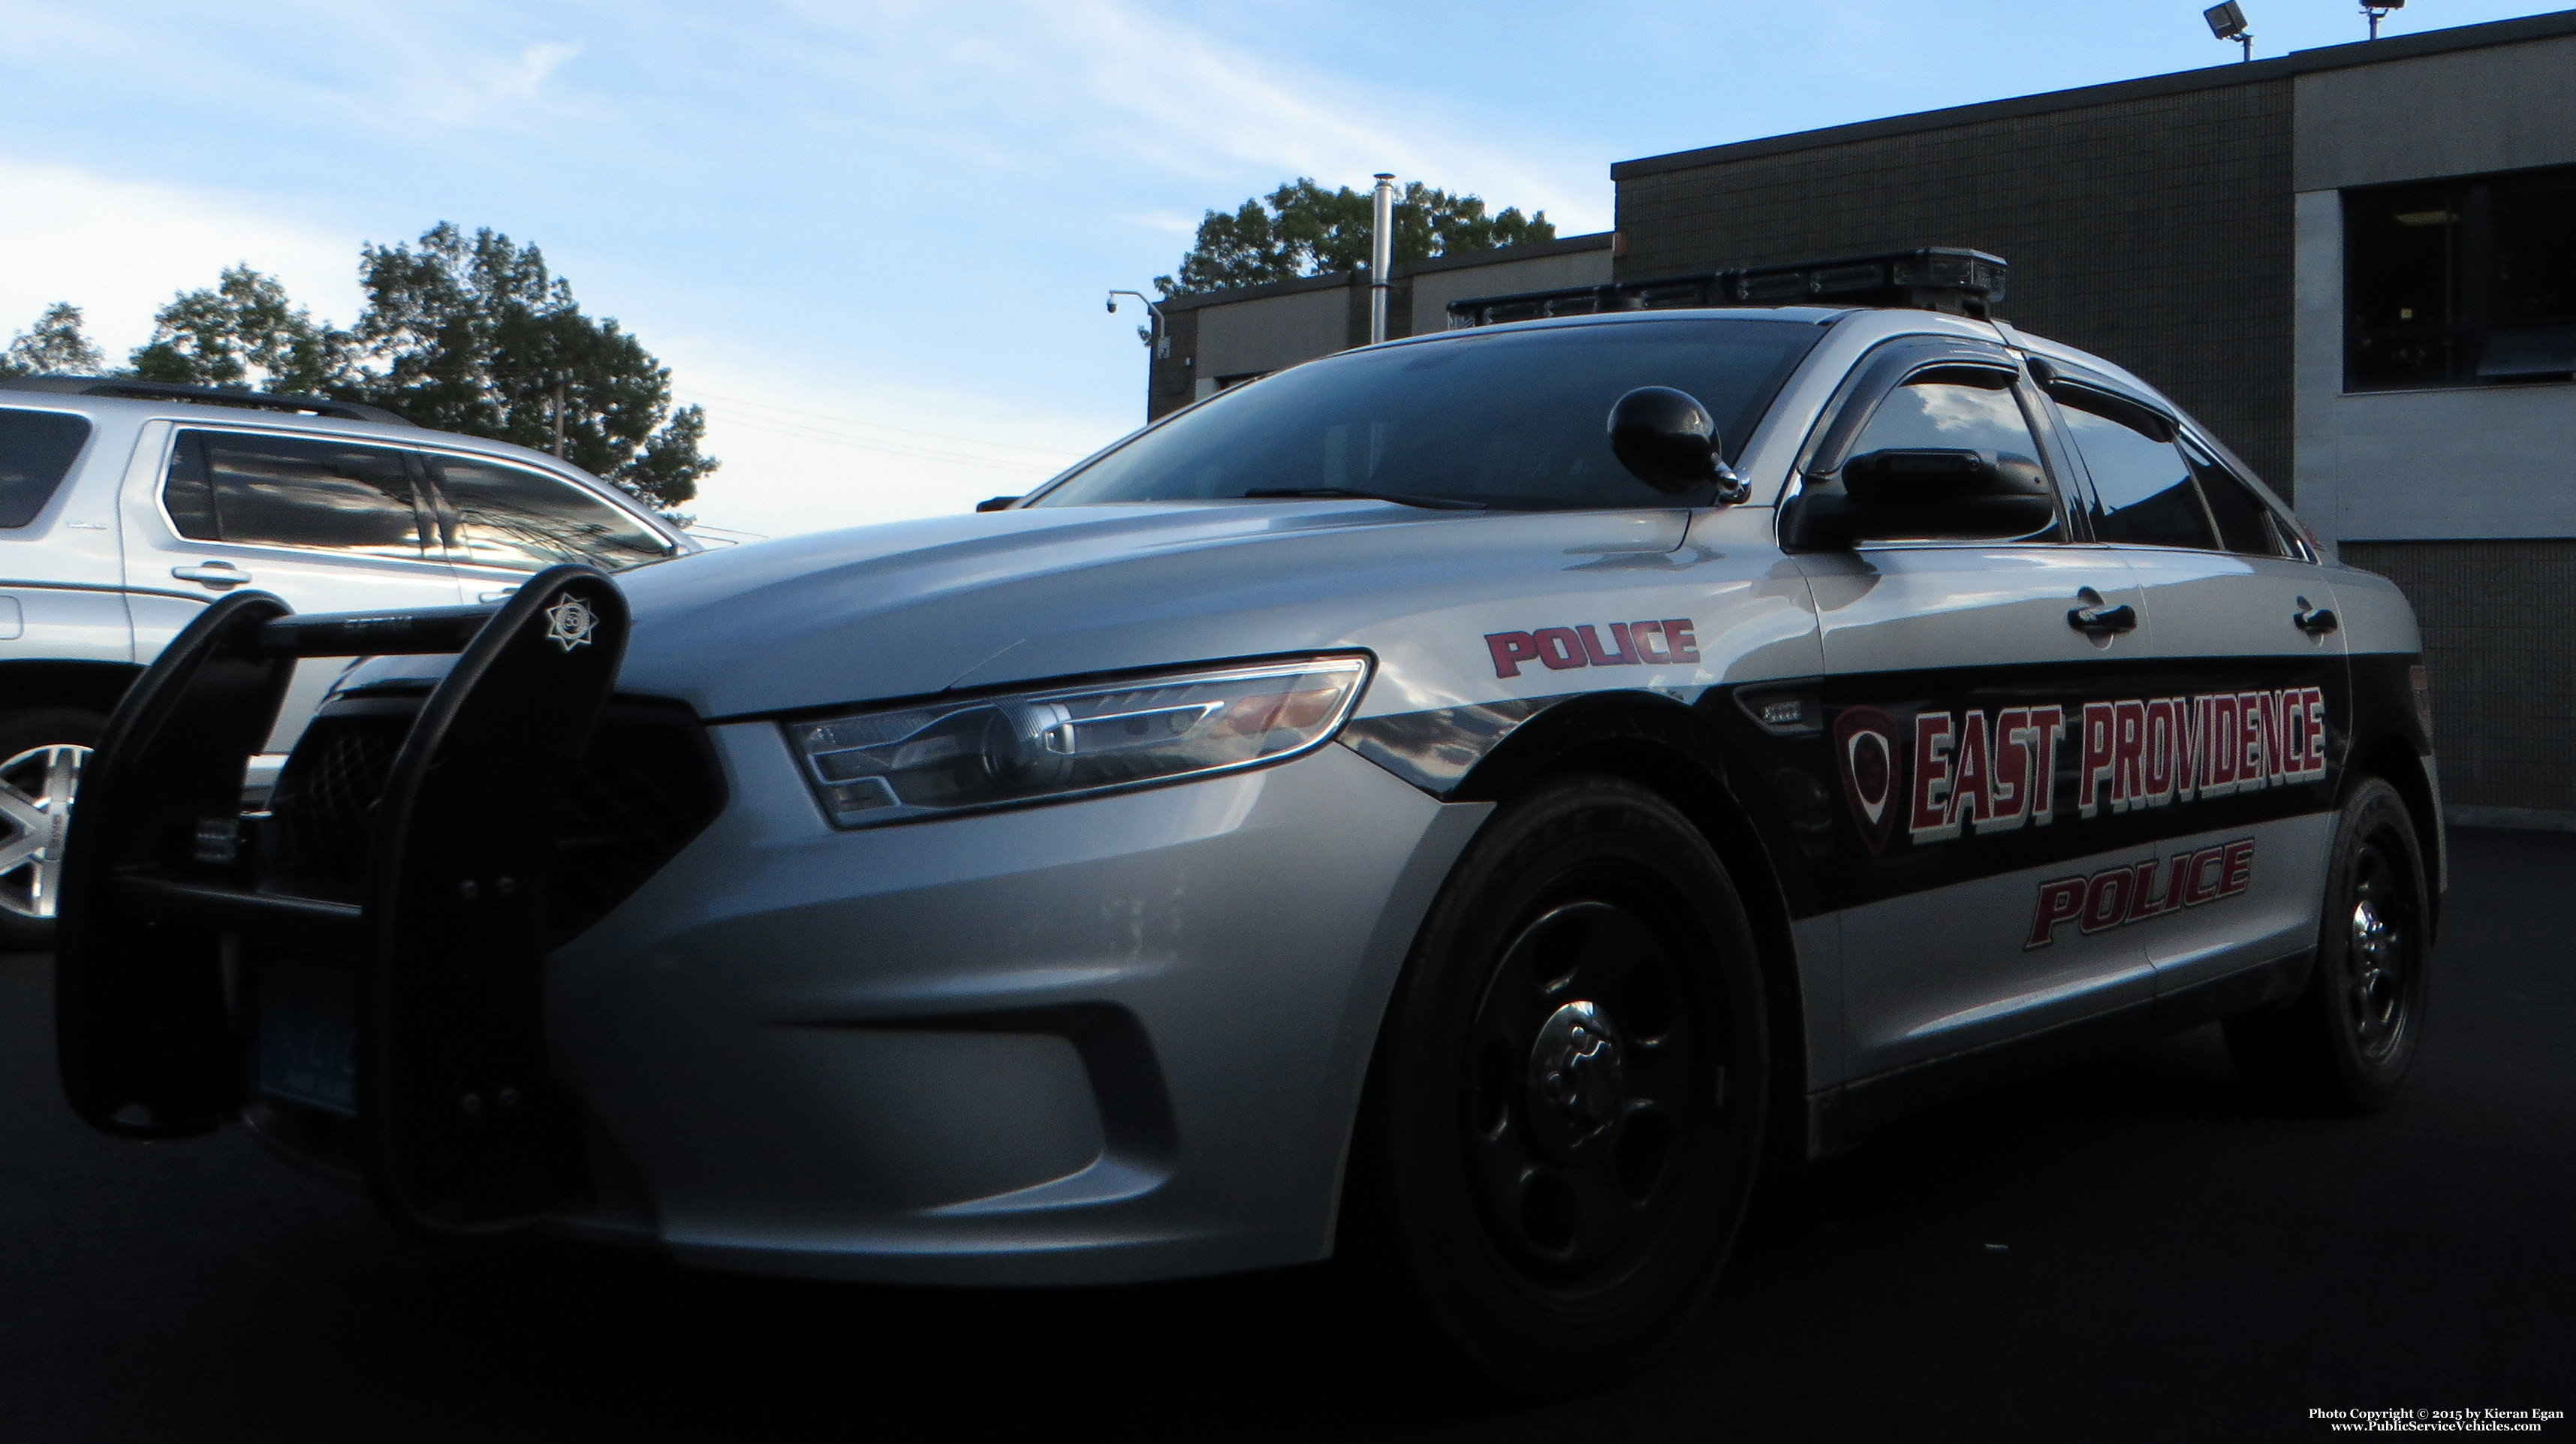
{"type": "Point", "coordinates": [308, 1034]}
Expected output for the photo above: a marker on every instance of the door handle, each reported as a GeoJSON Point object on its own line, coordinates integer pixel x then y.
{"type": "Point", "coordinates": [218, 575]}
{"type": "Point", "coordinates": [2096, 620]}
{"type": "Point", "coordinates": [2315, 621]}
{"type": "Point", "coordinates": [502, 595]}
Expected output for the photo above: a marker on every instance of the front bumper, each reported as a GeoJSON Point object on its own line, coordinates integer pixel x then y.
{"type": "Point", "coordinates": [1099, 1041]}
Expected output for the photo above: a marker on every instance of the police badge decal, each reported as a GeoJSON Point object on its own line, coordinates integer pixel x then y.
{"type": "Point", "coordinates": [1865, 751]}
{"type": "Point", "coordinates": [570, 621]}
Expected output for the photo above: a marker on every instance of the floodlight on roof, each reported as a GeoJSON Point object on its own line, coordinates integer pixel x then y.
{"type": "Point", "coordinates": [2227, 22]}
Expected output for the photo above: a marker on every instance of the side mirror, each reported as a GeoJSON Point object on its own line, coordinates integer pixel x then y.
{"type": "Point", "coordinates": [1666, 438]}
{"type": "Point", "coordinates": [1925, 494]}
{"type": "Point", "coordinates": [995, 503]}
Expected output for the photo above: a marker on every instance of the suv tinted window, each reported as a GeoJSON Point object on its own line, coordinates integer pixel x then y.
{"type": "Point", "coordinates": [1507, 418]}
{"type": "Point", "coordinates": [2143, 484]}
{"type": "Point", "coordinates": [36, 452]}
{"type": "Point", "coordinates": [293, 491]}
{"type": "Point", "coordinates": [510, 516]}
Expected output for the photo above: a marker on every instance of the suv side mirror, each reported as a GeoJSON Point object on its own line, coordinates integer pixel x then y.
{"type": "Point", "coordinates": [1665, 437]}
{"type": "Point", "coordinates": [1923, 493]}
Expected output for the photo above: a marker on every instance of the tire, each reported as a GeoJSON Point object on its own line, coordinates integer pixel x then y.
{"type": "Point", "coordinates": [1564, 1120]}
{"type": "Point", "coordinates": [39, 748]}
{"type": "Point", "coordinates": [2344, 1045]}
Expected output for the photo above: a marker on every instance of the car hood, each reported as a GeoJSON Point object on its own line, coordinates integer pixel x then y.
{"type": "Point", "coordinates": [908, 609]}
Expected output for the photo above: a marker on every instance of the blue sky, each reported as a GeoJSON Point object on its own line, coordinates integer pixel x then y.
{"type": "Point", "coordinates": [873, 238]}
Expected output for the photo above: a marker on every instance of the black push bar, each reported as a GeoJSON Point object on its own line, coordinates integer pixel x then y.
{"type": "Point", "coordinates": [166, 918]}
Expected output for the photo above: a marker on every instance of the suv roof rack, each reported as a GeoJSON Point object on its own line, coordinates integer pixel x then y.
{"type": "Point", "coordinates": [1932, 278]}
{"type": "Point", "coordinates": [136, 389]}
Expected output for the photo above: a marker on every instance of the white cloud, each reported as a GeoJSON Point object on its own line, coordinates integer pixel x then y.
{"type": "Point", "coordinates": [1175, 222]}
{"type": "Point", "coordinates": [801, 455]}
{"type": "Point", "coordinates": [121, 249]}
{"type": "Point", "coordinates": [1123, 85]}
{"type": "Point", "coordinates": [460, 90]}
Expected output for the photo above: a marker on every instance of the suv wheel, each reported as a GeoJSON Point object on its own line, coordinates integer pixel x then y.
{"type": "Point", "coordinates": [2346, 1042]}
{"type": "Point", "coordinates": [1568, 1104]}
{"type": "Point", "coordinates": [41, 752]}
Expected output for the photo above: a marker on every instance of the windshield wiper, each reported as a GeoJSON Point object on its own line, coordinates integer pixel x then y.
{"type": "Point", "coordinates": [1400, 498]}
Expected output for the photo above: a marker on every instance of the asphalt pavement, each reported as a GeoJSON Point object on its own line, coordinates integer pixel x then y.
{"type": "Point", "coordinates": [2131, 1249]}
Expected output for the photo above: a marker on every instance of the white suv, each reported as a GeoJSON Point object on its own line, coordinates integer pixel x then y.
{"type": "Point", "coordinates": [127, 506]}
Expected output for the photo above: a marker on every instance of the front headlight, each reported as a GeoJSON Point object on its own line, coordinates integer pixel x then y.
{"type": "Point", "coordinates": [1062, 742]}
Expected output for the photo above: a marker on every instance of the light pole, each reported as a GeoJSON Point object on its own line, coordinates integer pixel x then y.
{"type": "Point", "coordinates": [1381, 253]}
{"type": "Point", "coordinates": [2378, 10]}
{"type": "Point", "coordinates": [1162, 334]}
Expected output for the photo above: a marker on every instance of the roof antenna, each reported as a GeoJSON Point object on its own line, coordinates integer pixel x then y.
{"type": "Point", "coordinates": [2378, 10]}
{"type": "Point", "coordinates": [2227, 22]}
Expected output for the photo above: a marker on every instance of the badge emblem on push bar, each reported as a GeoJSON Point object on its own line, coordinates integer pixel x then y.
{"type": "Point", "coordinates": [569, 622]}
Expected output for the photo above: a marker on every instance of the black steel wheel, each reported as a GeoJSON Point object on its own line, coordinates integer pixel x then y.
{"type": "Point", "coordinates": [2347, 1041]}
{"type": "Point", "coordinates": [1586, 1072]}
{"type": "Point", "coordinates": [1567, 1109]}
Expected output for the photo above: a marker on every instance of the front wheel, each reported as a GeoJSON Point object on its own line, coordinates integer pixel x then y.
{"type": "Point", "coordinates": [2346, 1042]}
{"type": "Point", "coordinates": [1568, 1103]}
{"type": "Point", "coordinates": [42, 750]}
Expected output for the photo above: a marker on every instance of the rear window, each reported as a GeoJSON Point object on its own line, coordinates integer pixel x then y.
{"type": "Point", "coordinates": [1504, 418]}
{"type": "Point", "coordinates": [36, 453]}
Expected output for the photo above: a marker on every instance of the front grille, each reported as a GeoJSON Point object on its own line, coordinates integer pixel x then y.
{"type": "Point", "coordinates": [647, 783]}
{"type": "Point", "coordinates": [322, 812]}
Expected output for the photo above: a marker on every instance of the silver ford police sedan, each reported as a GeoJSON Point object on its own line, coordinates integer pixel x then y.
{"type": "Point", "coordinates": [1467, 804]}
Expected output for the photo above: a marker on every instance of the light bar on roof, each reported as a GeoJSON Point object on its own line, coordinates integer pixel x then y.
{"type": "Point", "coordinates": [1935, 278]}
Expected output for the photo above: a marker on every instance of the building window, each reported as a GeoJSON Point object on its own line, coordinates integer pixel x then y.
{"type": "Point", "coordinates": [2460, 282]}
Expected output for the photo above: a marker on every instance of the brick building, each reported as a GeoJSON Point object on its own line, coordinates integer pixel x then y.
{"type": "Point", "coordinates": [1221, 338]}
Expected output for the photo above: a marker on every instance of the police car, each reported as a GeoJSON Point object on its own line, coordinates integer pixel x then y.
{"type": "Point", "coordinates": [1467, 805]}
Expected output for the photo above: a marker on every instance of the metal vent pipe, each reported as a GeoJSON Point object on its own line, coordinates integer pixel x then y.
{"type": "Point", "coordinates": [1381, 254]}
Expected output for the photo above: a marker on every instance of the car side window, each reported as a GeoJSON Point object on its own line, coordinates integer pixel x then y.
{"type": "Point", "coordinates": [2141, 480]}
{"type": "Point", "coordinates": [293, 491]}
{"type": "Point", "coordinates": [1946, 407]}
{"type": "Point", "coordinates": [2245, 524]}
{"type": "Point", "coordinates": [1958, 407]}
{"type": "Point", "coordinates": [36, 452]}
{"type": "Point", "coordinates": [524, 520]}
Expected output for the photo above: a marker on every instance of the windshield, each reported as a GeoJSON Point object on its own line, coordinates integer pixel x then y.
{"type": "Point", "coordinates": [1502, 418]}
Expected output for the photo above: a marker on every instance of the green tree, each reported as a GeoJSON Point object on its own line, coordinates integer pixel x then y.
{"type": "Point", "coordinates": [243, 332]}
{"type": "Point", "coordinates": [1301, 229]}
{"type": "Point", "coordinates": [475, 334]}
{"type": "Point", "coordinates": [55, 346]}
